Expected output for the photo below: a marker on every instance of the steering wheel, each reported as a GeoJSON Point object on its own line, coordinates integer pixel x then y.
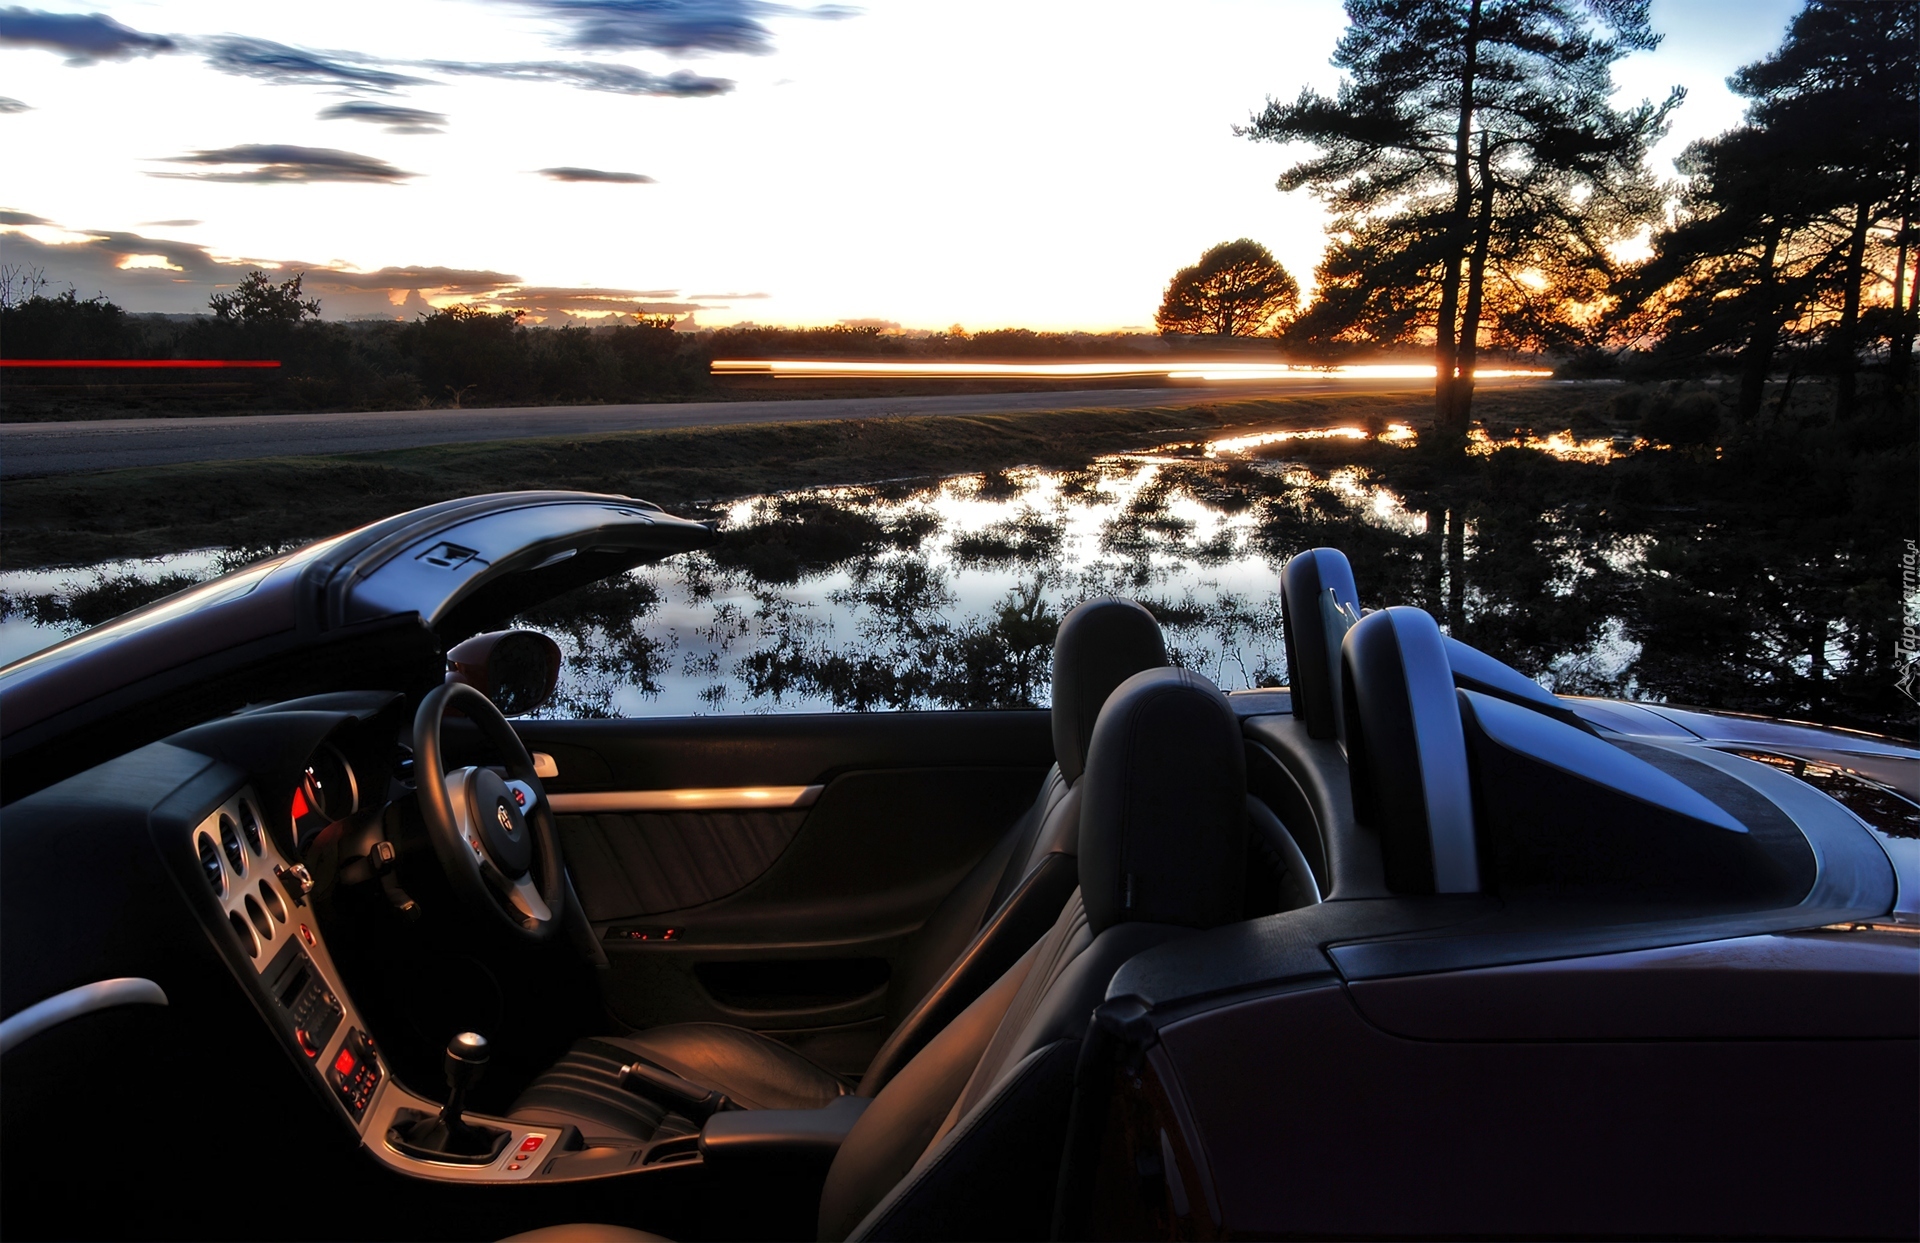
{"type": "Point", "coordinates": [493, 835]}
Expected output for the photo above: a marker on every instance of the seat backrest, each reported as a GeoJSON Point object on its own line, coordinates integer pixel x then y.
{"type": "Point", "coordinates": [1407, 752]}
{"type": "Point", "coordinates": [1012, 896]}
{"type": "Point", "coordinates": [1318, 602]}
{"type": "Point", "coordinates": [965, 1141]}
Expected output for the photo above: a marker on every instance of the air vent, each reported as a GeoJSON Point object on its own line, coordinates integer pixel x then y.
{"type": "Point", "coordinates": [210, 864]}
{"type": "Point", "coordinates": [250, 827]}
{"type": "Point", "coordinates": [258, 917]}
{"type": "Point", "coordinates": [248, 941]}
{"type": "Point", "coordinates": [230, 842]}
{"type": "Point", "coordinates": [275, 905]}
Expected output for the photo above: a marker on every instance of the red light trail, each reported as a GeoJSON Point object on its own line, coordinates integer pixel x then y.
{"type": "Point", "coordinates": [193, 364]}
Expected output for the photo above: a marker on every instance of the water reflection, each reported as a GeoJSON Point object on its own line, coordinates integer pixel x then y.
{"type": "Point", "coordinates": [946, 593]}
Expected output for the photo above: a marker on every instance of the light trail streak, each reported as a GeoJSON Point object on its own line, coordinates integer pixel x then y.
{"type": "Point", "coordinates": [821, 369]}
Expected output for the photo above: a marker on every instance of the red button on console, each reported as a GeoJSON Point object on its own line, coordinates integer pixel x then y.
{"type": "Point", "coordinates": [533, 1142]}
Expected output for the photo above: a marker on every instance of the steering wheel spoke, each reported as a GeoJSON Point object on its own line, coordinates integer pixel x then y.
{"type": "Point", "coordinates": [527, 900]}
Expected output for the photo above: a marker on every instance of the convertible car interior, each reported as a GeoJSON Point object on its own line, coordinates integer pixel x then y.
{"type": "Point", "coordinates": [309, 930]}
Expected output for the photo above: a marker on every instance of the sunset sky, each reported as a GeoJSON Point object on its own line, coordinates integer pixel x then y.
{"type": "Point", "coordinates": [919, 162]}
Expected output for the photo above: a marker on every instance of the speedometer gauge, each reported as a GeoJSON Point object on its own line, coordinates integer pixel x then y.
{"type": "Point", "coordinates": [329, 784]}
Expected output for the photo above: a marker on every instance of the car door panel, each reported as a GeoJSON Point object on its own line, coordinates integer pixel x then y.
{"type": "Point", "coordinates": [789, 920]}
{"type": "Point", "coordinates": [626, 865]}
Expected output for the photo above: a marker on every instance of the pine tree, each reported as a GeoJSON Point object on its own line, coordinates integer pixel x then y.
{"type": "Point", "coordinates": [1799, 225]}
{"type": "Point", "coordinates": [1476, 171]}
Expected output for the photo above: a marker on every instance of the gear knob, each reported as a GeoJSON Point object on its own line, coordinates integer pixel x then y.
{"type": "Point", "coordinates": [467, 1055]}
{"type": "Point", "coordinates": [469, 1049]}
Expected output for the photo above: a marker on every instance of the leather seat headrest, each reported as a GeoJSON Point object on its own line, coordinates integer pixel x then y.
{"type": "Point", "coordinates": [1163, 806]}
{"type": "Point", "coordinates": [1099, 645]}
{"type": "Point", "coordinates": [1407, 752]}
{"type": "Point", "coordinates": [1314, 624]}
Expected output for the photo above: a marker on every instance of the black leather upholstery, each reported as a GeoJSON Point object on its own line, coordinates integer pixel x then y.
{"type": "Point", "coordinates": [582, 1088]}
{"type": "Point", "coordinates": [1099, 645]}
{"type": "Point", "coordinates": [1407, 752]}
{"type": "Point", "coordinates": [1313, 625]}
{"type": "Point", "coordinates": [965, 1141]}
{"type": "Point", "coordinates": [1050, 874]}
{"type": "Point", "coordinates": [755, 1072]}
{"type": "Point", "coordinates": [1004, 904]}
{"type": "Point", "coordinates": [1163, 825]}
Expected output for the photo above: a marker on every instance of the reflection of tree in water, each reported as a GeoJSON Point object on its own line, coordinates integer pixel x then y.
{"type": "Point", "coordinates": [1027, 538]}
{"type": "Point", "coordinates": [601, 629]}
{"type": "Point", "coordinates": [1614, 580]}
{"type": "Point", "coordinates": [105, 598]}
{"type": "Point", "coordinates": [909, 654]}
{"type": "Point", "coordinates": [1235, 640]}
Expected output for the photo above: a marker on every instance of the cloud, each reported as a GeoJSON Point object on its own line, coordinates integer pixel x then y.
{"type": "Point", "coordinates": [727, 297]}
{"type": "Point", "coordinates": [396, 119]}
{"type": "Point", "coordinates": [92, 38]}
{"type": "Point", "coordinates": [170, 224]}
{"type": "Point", "coordinates": [596, 174]}
{"type": "Point", "coordinates": [9, 106]}
{"type": "Point", "coordinates": [86, 38]}
{"type": "Point", "coordinates": [676, 26]}
{"type": "Point", "coordinates": [549, 300]}
{"type": "Point", "coordinates": [155, 274]}
{"type": "Point", "coordinates": [588, 75]}
{"type": "Point", "coordinates": [284, 164]}
{"type": "Point", "coordinates": [282, 65]}
{"type": "Point", "coordinates": [471, 281]}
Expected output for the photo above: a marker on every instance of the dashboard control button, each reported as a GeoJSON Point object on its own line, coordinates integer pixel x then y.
{"type": "Point", "coordinates": [305, 1039]}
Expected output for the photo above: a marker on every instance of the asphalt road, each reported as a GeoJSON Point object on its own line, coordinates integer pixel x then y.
{"type": "Point", "coordinates": [34, 449]}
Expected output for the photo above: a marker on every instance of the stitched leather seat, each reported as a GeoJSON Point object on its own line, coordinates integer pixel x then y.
{"type": "Point", "coordinates": [1004, 904]}
{"type": "Point", "coordinates": [965, 1141]}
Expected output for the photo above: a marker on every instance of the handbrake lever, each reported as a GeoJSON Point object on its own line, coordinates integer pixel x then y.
{"type": "Point", "coordinates": [666, 1088]}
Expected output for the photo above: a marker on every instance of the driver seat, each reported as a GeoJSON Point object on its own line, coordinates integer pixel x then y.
{"type": "Point", "coordinates": [1003, 906]}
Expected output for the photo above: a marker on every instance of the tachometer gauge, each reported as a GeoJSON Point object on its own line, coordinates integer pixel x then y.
{"type": "Point", "coordinates": [329, 784]}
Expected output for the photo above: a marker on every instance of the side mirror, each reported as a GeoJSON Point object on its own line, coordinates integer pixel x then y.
{"type": "Point", "coordinates": [517, 669]}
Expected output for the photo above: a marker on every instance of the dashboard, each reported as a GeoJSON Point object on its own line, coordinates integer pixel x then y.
{"type": "Point", "coordinates": [321, 789]}
{"type": "Point", "coordinates": [264, 900]}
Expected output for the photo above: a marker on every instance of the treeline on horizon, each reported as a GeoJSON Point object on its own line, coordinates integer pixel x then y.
{"type": "Point", "coordinates": [464, 356]}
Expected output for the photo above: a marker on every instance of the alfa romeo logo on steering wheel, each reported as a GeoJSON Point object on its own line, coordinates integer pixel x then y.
{"type": "Point", "coordinates": [505, 817]}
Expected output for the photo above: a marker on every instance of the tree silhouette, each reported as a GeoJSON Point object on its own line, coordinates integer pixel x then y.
{"type": "Point", "coordinates": [1799, 225]}
{"type": "Point", "coordinates": [1476, 170]}
{"type": "Point", "coordinates": [1236, 290]}
{"type": "Point", "coordinates": [258, 302]}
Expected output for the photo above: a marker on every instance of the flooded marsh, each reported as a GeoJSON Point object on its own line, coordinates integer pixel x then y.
{"type": "Point", "coordinates": [945, 593]}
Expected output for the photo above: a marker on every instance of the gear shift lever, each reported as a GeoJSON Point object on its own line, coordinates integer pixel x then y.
{"type": "Point", "coordinates": [467, 1055]}
{"type": "Point", "coordinates": [448, 1136]}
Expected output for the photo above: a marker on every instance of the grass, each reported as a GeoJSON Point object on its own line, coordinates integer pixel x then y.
{"type": "Point", "coordinates": [267, 503]}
